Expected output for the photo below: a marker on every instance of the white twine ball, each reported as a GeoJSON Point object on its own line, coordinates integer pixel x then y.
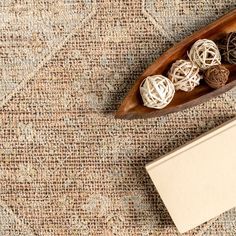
{"type": "Point", "coordinates": [205, 54]}
{"type": "Point", "coordinates": [157, 91]}
{"type": "Point", "coordinates": [184, 75]}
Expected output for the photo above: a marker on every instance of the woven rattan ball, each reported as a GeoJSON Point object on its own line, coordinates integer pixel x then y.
{"type": "Point", "coordinates": [205, 54]}
{"type": "Point", "coordinates": [217, 76]}
{"type": "Point", "coordinates": [157, 91]}
{"type": "Point", "coordinates": [184, 75]}
{"type": "Point", "coordinates": [227, 48]}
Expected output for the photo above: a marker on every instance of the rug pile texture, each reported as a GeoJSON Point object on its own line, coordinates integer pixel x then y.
{"type": "Point", "coordinates": [67, 167]}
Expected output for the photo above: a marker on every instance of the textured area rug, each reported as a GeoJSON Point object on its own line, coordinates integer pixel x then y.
{"type": "Point", "coordinates": [67, 167]}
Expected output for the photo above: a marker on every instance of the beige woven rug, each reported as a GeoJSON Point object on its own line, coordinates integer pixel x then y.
{"type": "Point", "coordinates": [67, 167]}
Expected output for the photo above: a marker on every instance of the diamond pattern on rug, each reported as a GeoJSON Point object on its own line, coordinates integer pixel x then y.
{"type": "Point", "coordinates": [32, 32]}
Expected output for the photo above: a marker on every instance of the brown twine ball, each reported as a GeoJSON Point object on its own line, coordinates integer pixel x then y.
{"type": "Point", "coordinates": [227, 48]}
{"type": "Point", "coordinates": [216, 76]}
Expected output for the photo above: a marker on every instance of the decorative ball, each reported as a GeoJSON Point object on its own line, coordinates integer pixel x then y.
{"type": "Point", "coordinates": [157, 91]}
{"type": "Point", "coordinates": [217, 76]}
{"type": "Point", "coordinates": [205, 54]}
{"type": "Point", "coordinates": [228, 48]}
{"type": "Point", "coordinates": [184, 75]}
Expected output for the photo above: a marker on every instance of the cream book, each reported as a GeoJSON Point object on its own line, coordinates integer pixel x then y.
{"type": "Point", "coordinates": [197, 182]}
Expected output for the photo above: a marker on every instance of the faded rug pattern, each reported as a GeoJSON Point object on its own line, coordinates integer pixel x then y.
{"type": "Point", "coordinates": [67, 167]}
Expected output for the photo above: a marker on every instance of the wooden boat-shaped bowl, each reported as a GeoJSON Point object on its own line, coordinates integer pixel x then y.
{"type": "Point", "coordinates": [132, 107]}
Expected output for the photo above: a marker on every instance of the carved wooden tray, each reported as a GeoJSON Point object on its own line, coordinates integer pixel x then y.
{"type": "Point", "coordinates": [132, 107]}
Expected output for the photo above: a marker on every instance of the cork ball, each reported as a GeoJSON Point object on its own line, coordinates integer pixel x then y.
{"type": "Point", "coordinates": [184, 75]}
{"type": "Point", "coordinates": [227, 48]}
{"type": "Point", "coordinates": [205, 54]}
{"type": "Point", "coordinates": [217, 76]}
{"type": "Point", "coordinates": [157, 91]}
